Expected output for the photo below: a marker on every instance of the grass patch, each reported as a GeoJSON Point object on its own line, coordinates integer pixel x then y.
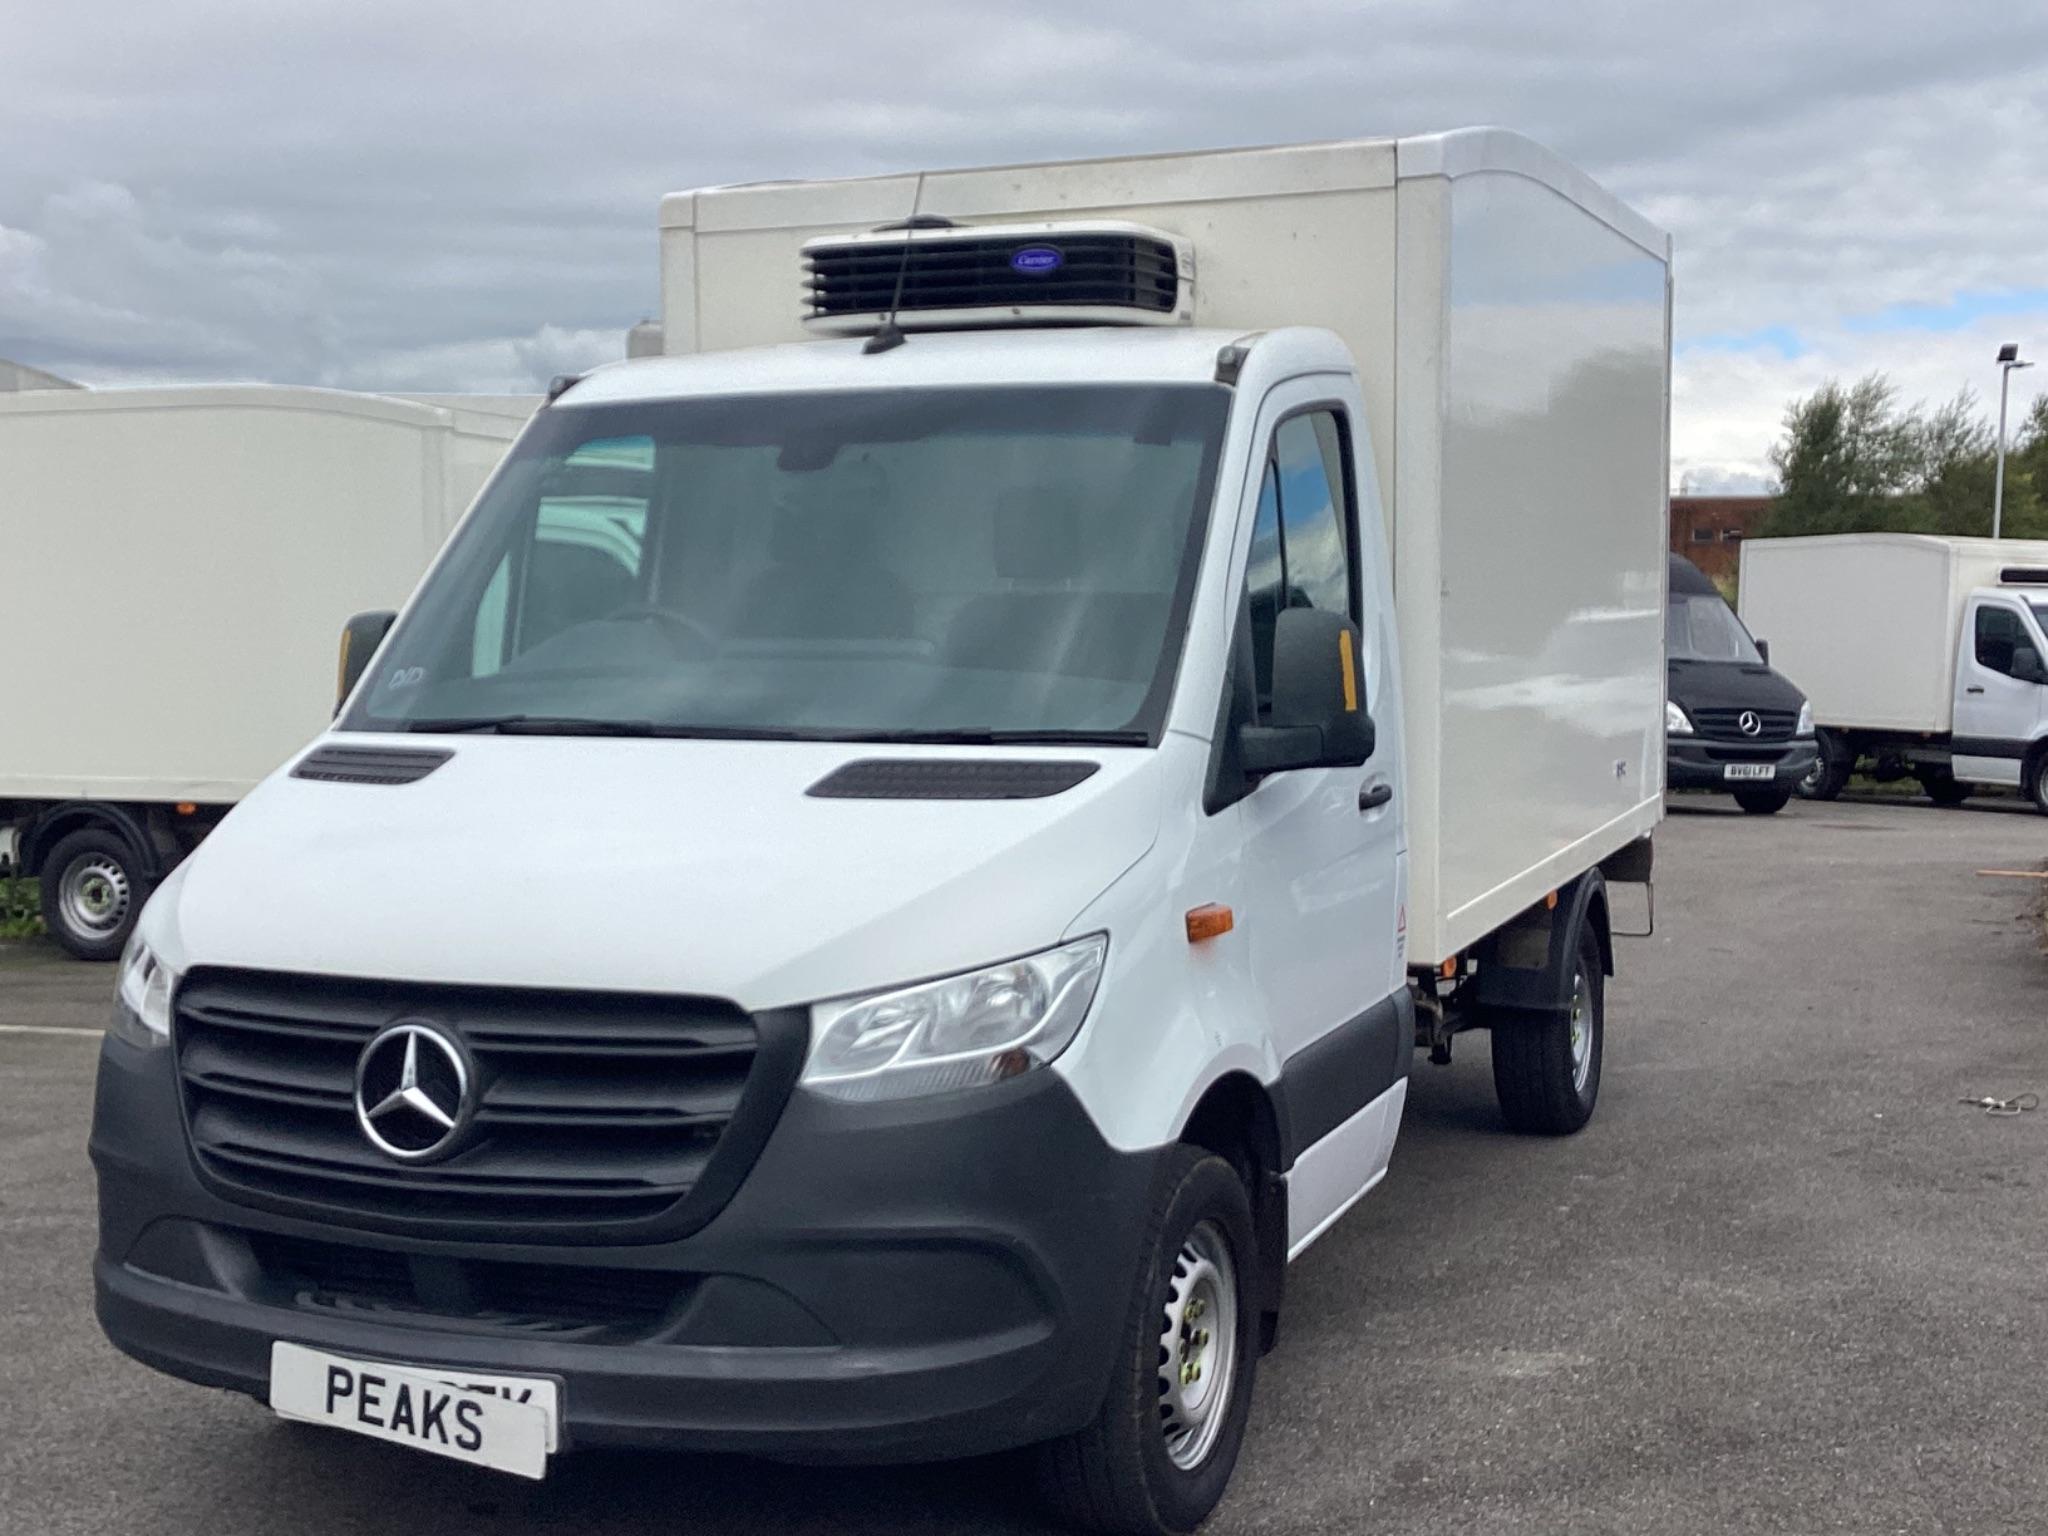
{"type": "Point", "coordinates": [1903, 789]}
{"type": "Point", "coordinates": [21, 914]}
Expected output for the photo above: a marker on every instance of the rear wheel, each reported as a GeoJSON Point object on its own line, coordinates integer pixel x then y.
{"type": "Point", "coordinates": [1763, 800]}
{"type": "Point", "coordinates": [1160, 1452]}
{"type": "Point", "coordinates": [1943, 787]}
{"type": "Point", "coordinates": [1546, 1067]}
{"type": "Point", "coordinates": [93, 890]}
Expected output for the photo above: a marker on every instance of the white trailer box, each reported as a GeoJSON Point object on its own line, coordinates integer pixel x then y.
{"type": "Point", "coordinates": [1511, 324]}
{"type": "Point", "coordinates": [177, 565]}
{"type": "Point", "coordinates": [1866, 623]}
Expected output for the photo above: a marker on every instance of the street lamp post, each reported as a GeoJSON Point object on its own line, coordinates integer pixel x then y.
{"type": "Point", "coordinates": [2008, 359]}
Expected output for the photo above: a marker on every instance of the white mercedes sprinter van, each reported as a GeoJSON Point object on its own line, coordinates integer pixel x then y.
{"type": "Point", "coordinates": [884, 887]}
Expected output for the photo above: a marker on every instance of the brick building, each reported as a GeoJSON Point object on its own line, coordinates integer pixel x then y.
{"type": "Point", "coordinates": [1709, 530]}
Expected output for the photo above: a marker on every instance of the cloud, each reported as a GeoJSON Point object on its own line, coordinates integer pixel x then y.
{"type": "Point", "coordinates": [380, 192]}
{"type": "Point", "coordinates": [1732, 400]}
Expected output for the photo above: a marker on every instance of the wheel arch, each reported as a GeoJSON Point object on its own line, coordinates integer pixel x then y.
{"type": "Point", "coordinates": [52, 826]}
{"type": "Point", "coordinates": [2030, 762]}
{"type": "Point", "coordinates": [1236, 1119]}
{"type": "Point", "coordinates": [1528, 963]}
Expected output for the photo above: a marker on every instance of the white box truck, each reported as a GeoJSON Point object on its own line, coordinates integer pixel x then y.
{"type": "Point", "coordinates": [1066, 698]}
{"type": "Point", "coordinates": [171, 561]}
{"type": "Point", "coordinates": [1921, 656]}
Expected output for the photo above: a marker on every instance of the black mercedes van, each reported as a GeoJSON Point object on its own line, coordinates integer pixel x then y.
{"type": "Point", "coordinates": [1730, 722]}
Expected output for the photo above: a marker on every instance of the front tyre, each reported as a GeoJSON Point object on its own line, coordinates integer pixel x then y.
{"type": "Point", "coordinates": [93, 891]}
{"type": "Point", "coordinates": [2036, 781]}
{"type": "Point", "coordinates": [1546, 1066]}
{"type": "Point", "coordinates": [1834, 761]}
{"type": "Point", "coordinates": [1763, 801]}
{"type": "Point", "coordinates": [1161, 1449]}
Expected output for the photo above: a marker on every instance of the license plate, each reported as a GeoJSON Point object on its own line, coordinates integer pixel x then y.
{"type": "Point", "coordinates": [506, 1422]}
{"type": "Point", "coordinates": [1748, 771]}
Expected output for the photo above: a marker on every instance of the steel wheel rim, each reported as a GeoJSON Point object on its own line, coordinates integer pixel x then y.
{"type": "Point", "coordinates": [1198, 1347]}
{"type": "Point", "coordinates": [1582, 1032]}
{"type": "Point", "coordinates": [94, 894]}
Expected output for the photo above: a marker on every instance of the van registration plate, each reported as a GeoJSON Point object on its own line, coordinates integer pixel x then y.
{"type": "Point", "coordinates": [505, 1422]}
{"type": "Point", "coordinates": [1748, 771]}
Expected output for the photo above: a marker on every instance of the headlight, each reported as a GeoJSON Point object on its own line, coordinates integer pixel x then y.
{"type": "Point", "coordinates": [1675, 723]}
{"type": "Point", "coordinates": [1805, 725]}
{"type": "Point", "coordinates": [142, 1002]}
{"type": "Point", "coordinates": [961, 1032]}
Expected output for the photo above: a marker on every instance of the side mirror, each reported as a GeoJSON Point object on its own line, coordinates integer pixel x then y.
{"type": "Point", "coordinates": [2026, 665]}
{"type": "Point", "coordinates": [1763, 649]}
{"type": "Point", "coordinates": [1319, 717]}
{"type": "Point", "coordinates": [360, 637]}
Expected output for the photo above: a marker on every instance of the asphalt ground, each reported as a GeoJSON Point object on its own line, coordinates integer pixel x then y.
{"type": "Point", "coordinates": [1783, 1282]}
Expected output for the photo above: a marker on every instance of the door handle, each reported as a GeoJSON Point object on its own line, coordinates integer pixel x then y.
{"type": "Point", "coordinates": [1974, 688]}
{"type": "Point", "coordinates": [1373, 796]}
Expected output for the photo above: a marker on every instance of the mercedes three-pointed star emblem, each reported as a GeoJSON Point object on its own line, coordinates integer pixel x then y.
{"type": "Point", "coordinates": [414, 1091]}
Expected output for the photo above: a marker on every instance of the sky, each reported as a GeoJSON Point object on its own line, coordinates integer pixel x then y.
{"type": "Point", "coordinates": [414, 195]}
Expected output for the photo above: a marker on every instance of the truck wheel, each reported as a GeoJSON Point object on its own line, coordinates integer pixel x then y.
{"type": "Point", "coordinates": [1763, 801]}
{"type": "Point", "coordinates": [1160, 1452]}
{"type": "Point", "coordinates": [93, 890]}
{"type": "Point", "coordinates": [1546, 1067]}
{"type": "Point", "coordinates": [1830, 770]}
{"type": "Point", "coordinates": [2037, 781]}
{"type": "Point", "coordinates": [1943, 787]}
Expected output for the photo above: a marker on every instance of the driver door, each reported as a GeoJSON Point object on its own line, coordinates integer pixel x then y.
{"type": "Point", "coordinates": [1322, 867]}
{"type": "Point", "coordinates": [1997, 708]}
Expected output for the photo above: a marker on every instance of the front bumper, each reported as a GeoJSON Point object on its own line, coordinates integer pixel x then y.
{"type": "Point", "coordinates": [891, 1282]}
{"type": "Point", "coordinates": [1697, 763]}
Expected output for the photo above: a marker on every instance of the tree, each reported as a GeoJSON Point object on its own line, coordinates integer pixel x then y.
{"type": "Point", "coordinates": [1846, 456]}
{"type": "Point", "coordinates": [1956, 452]}
{"type": "Point", "coordinates": [1852, 461]}
{"type": "Point", "coordinates": [2026, 475]}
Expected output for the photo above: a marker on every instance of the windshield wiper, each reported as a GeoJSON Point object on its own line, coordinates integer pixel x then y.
{"type": "Point", "coordinates": [1003, 738]}
{"type": "Point", "coordinates": [576, 725]}
{"type": "Point", "coordinates": [533, 725]}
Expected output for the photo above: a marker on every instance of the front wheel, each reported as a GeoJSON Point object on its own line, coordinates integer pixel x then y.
{"type": "Point", "coordinates": [1546, 1066]}
{"type": "Point", "coordinates": [1161, 1449]}
{"type": "Point", "coordinates": [2036, 781]}
{"type": "Point", "coordinates": [1763, 801]}
{"type": "Point", "coordinates": [93, 890]}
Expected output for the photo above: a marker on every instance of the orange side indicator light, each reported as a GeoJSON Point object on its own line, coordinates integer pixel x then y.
{"type": "Point", "coordinates": [1449, 969]}
{"type": "Point", "coordinates": [187, 808]}
{"type": "Point", "coordinates": [1210, 921]}
{"type": "Point", "coordinates": [1550, 902]}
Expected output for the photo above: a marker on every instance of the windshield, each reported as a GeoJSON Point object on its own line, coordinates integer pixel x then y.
{"type": "Point", "coordinates": [1698, 627]}
{"type": "Point", "coordinates": [1011, 562]}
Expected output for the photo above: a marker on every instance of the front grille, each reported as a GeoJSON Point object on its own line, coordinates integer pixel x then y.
{"type": "Point", "coordinates": [1775, 724]}
{"type": "Point", "coordinates": [483, 1293]}
{"type": "Point", "coordinates": [601, 1116]}
{"type": "Point", "coordinates": [1104, 269]}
